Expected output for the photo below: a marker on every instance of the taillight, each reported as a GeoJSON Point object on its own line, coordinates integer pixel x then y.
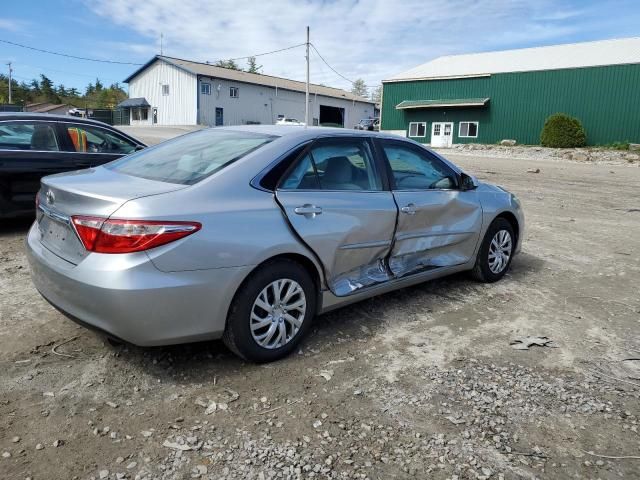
{"type": "Point", "coordinates": [114, 235]}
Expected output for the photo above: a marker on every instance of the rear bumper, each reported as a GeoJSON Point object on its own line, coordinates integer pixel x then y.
{"type": "Point", "coordinates": [127, 297]}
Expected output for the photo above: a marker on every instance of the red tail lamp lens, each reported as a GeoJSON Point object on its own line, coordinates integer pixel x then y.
{"type": "Point", "coordinates": [103, 235]}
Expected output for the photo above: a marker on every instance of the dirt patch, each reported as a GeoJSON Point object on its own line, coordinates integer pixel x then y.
{"type": "Point", "coordinates": [419, 383]}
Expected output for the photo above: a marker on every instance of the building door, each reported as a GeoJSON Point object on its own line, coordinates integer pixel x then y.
{"type": "Point", "coordinates": [155, 115]}
{"type": "Point", "coordinates": [219, 117]}
{"type": "Point", "coordinates": [442, 134]}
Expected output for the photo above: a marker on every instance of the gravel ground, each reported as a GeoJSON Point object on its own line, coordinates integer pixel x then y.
{"type": "Point", "coordinates": [530, 152]}
{"type": "Point", "coordinates": [157, 134]}
{"type": "Point", "coordinates": [419, 383]}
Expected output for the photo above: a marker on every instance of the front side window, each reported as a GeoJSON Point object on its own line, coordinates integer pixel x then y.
{"type": "Point", "coordinates": [190, 158]}
{"type": "Point", "coordinates": [165, 89]}
{"type": "Point", "coordinates": [89, 139]}
{"type": "Point", "coordinates": [233, 92]}
{"type": "Point", "coordinates": [28, 136]}
{"type": "Point", "coordinates": [338, 164]}
{"type": "Point", "coordinates": [416, 170]}
{"type": "Point", "coordinates": [468, 130]}
{"type": "Point", "coordinates": [205, 88]}
{"type": "Point", "coordinates": [417, 129]}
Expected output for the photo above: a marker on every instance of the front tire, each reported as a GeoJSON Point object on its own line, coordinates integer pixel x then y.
{"type": "Point", "coordinates": [271, 312]}
{"type": "Point", "coordinates": [495, 253]}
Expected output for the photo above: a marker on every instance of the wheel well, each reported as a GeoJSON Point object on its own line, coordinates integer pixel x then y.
{"type": "Point", "coordinates": [305, 262]}
{"type": "Point", "coordinates": [301, 260]}
{"type": "Point", "coordinates": [511, 218]}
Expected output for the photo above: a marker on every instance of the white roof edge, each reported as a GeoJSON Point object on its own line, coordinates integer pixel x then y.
{"type": "Point", "coordinates": [452, 77]}
{"type": "Point", "coordinates": [621, 51]}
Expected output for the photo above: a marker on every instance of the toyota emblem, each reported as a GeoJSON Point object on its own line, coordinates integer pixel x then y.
{"type": "Point", "coordinates": [51, 198]}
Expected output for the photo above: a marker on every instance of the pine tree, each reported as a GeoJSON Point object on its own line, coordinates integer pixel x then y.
{"type": "Point", "coordinates": [359, 88]}
{"type": "Point", "coordinates": [230, 64]}
{"type": "Point", "coordinates": [47, 89]}
{"type": "Point", "coordinates": [253, 66]}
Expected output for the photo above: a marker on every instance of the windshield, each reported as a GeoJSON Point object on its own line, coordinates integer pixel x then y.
{"type": "Point", "coordinates": [188, 159]}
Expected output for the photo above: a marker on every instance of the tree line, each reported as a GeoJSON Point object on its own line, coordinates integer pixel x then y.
{"type": "Point", "coordinates": [360, 88]}
{"type": "Point", "coordinates": [95, 94]}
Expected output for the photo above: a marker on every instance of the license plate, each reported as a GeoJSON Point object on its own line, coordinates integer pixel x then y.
{"type": "Point", "coordinates": [52, 231]}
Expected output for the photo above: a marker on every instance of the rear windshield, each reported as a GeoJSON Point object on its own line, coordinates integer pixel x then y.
{"type": "Point", "coordinates": [188, 159]}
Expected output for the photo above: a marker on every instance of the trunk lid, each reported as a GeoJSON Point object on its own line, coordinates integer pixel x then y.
{"type": "Point", "coordinates": [94, 192]}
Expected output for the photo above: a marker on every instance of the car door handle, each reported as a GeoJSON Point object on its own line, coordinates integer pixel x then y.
{"type": "Point", "coordinates": [308, 210]}
{"type": "Point", "coordinates": [409, 209]}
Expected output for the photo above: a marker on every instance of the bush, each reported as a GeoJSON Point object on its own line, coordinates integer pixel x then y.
{"type": "Point", "coordinates": [563, 131]}
{"type": "Point", "coordinates": [617, 145]}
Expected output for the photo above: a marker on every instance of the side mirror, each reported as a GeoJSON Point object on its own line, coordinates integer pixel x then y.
{"type": "Point", "coordinates": [467, 182]}
{"type": "Point", "coordinates": [138, 148]}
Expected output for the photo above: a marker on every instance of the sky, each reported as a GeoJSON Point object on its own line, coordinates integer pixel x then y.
{"type": "Point", "coordinates": [368, 39]}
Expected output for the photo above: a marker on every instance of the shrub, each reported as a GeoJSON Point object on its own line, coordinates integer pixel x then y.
{"type": "Point", "coordinates": [618, 145]}
{"type": "Point", "coordinates": [562, 131]}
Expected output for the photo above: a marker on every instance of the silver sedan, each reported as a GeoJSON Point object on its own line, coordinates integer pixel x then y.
{"type": "Point", "coordinates": [247, 233]}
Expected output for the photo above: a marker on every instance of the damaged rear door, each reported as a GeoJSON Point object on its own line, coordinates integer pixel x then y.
{"type": "Point", "coordinates": [334, 199]}
{"type": "Point", "coordinates": [438, 223]}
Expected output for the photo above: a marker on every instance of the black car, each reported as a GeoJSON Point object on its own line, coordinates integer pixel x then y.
{"type": "Point", "coordinates": [34, 145]}
{"type": "Point", "coordinates": [371, 124]}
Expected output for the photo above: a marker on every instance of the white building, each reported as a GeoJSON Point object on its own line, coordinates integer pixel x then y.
{"type": "Point", "coordinates": [171, 91]}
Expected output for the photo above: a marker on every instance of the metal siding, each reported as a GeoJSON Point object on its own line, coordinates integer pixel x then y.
{"type": "Point", "coordinates": [262, 104]}
{"type": "Point", "coordinates": [177, 108]}
{"type": "Point", "coordinates": [605, 99]}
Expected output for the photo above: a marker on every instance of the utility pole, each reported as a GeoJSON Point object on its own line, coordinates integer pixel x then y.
{"type": "Point", "coordinates": [10, 70]}
{"type": "Point", "coordinates": [161, 39]}
{"type": "Point", "coordinates": [306, 95]}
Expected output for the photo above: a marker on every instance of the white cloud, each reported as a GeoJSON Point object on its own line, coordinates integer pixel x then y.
{"type": "Point", "coordinates": [12, 25]}
{"type": "Point", "coordinates": [372, 39]}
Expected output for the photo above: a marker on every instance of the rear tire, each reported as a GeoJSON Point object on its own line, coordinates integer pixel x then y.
{"type": "Point", "coordinates": [495, 253]}
{"type": "Point", "coordinates": [267, 319]}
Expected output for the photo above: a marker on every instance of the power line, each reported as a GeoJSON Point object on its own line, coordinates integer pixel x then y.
{"type": "Point", "coordinates": [49, 69]}
{"type": "Point", "coordinates": [334, 70]}
{"type": "Point", "coordinates": [133, 63]}
{"type": "Point", "coordinates": [67, 55]}
{"type": "Point", "coordinates": [261, 54]}
{"type": "Point", "coordinates": [330, 67]}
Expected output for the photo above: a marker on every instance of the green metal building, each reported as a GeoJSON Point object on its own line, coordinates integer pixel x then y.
{"type": "Point", "coordinates": [488, 97]}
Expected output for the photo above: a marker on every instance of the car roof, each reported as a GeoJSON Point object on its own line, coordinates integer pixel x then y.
{"type": "Point", "coordinates": [293, 131]}
{"type": "Point", "coordinates": [50, 117]}
{"type": "Point", "coordinates": [5, 116]}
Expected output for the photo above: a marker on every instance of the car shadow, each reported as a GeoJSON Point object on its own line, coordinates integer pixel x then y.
{"type": "Point", "coordinates": [213, 358]}
{"type": "Point", "coordinates": [16, 225]}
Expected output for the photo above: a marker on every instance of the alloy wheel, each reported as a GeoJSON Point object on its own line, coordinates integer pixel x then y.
{"type": "Point", "coordinates": [277, 313]}
{"type": "Point", "coordinates": [500, 251]}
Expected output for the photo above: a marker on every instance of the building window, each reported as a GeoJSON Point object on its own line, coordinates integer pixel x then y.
{"type": "Point", "coordinates": [205, 88]}
{"type": "Point", "coordinates": [417, 129]}
{"type": "Point", "coordinates": [468, 130]}
{"type": "Point", "coordinates": [165, 89]}
{"type": "Point", "coordinates": [139, 114]}
{"type": "Point", "coordinates": [233, 92]}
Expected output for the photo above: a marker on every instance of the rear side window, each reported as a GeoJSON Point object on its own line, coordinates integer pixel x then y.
{"type": "Point", "coordinates": [39, 136]}
{"type": "Point", "coordinates": [188, 159]}
{"type": "Point", "coordinates": [336, 164]}
{"type": "Point", "coordinates": [88, 139]}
